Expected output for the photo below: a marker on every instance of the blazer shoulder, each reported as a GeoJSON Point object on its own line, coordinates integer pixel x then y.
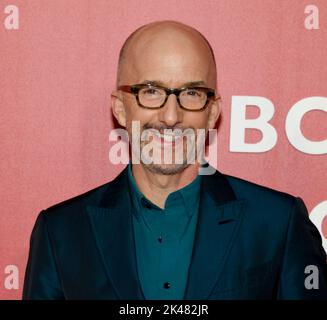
{"type": "Point", "coordinates": [246, 188]}
{"type": "Point", "coordinates": [76, 205]}
{"type": "Point", "coordinates": [86, 198]}
{"type": "Point", "coordinates": [263, 199]}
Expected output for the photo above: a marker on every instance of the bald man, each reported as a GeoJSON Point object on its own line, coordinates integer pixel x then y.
{"type": "Point", "coordinates": [161, 229]}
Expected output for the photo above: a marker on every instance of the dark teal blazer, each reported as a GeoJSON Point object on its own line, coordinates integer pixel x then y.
{"type": "Point", "coordinates": [251, 242]}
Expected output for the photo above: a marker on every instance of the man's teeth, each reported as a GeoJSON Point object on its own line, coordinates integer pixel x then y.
{"type": "Point", "coordinates": [168, 137]}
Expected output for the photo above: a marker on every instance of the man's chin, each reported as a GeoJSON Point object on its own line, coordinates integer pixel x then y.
{"type": "Point", "coordinates": [166, 169]}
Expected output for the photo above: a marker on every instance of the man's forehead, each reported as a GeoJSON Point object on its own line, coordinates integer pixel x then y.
{"type": "Point", "coordinates": [163, 75]}
{"type": "Point", "coordinates": [191, 72]}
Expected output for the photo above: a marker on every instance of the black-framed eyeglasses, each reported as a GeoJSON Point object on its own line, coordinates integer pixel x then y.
{"type": "Point", "coordinates": [151, 96]}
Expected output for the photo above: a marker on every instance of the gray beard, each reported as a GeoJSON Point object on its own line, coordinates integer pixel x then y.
{"type": "Point", "coordinates": [169, 169]}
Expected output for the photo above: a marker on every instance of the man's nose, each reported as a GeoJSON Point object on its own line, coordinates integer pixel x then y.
{"type": "Point", "coordinates": [171, 113]}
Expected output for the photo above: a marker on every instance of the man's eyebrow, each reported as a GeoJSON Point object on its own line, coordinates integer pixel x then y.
{"type": "Point", "coordinates": [186, 84]}
{"type": "Point", "coordinates": [194, 83]}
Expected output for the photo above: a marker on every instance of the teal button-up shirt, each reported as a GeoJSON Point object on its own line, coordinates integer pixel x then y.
{"type": "Point", "coordinates": [164, 239]}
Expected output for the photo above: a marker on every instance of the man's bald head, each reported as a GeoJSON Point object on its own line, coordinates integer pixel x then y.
{"type": "Point", "coordinates": [172, 35]}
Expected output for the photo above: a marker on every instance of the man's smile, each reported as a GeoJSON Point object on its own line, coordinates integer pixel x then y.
{"type": "Point", "coordinates": [167, 137]}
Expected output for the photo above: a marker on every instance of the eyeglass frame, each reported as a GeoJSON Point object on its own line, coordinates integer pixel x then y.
{"type": "Point", "coordinates": [135, 88]}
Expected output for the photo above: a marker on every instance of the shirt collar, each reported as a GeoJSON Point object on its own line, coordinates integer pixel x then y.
{"type": "Point", "coordinates": [190, 195]}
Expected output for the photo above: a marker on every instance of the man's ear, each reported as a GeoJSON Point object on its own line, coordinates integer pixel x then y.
{"type": "Point", "coordinates": [118, 108]}
{"type": "Point", "coordinates": [214, 112]}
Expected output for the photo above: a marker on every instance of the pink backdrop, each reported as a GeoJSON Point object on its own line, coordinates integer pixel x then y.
{"type": "Point", "coordinates": [58, 69]}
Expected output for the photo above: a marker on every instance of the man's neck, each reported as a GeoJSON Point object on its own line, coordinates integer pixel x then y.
{"type": "Point", "coordinates": [157, 187]}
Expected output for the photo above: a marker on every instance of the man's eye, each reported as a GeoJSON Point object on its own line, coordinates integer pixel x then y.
{"type": "Point", "coordinates": [151, 91]}
{"type": "Point", "coordinates": [193, 93]}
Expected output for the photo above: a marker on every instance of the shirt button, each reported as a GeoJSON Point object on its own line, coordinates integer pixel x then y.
{"type": "Point", "coordinates": [166, 285]}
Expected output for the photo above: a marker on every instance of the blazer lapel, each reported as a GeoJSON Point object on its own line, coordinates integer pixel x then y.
{"type": "Point", "coordinates": [219, 219]}
{"type": "Point", "coordinates": [112, 226]}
